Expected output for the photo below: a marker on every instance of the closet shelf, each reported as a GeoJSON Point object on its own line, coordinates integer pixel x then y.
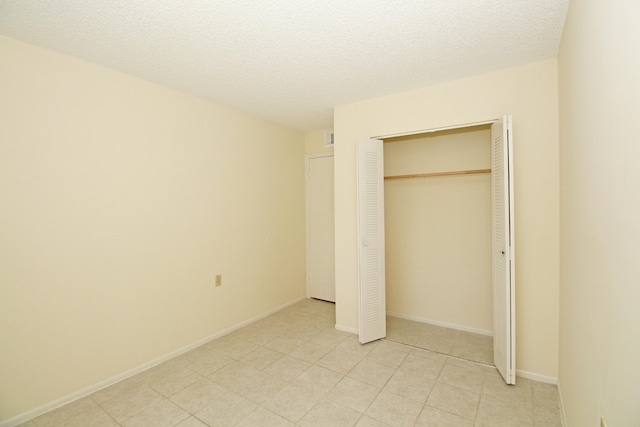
{"type": "Point", "coordinates": [429, 175]}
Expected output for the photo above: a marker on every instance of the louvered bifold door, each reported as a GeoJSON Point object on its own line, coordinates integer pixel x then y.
{"type": "Point", "coordinates": [371, 272]}
{"type": "Point", "coordinates": [503, 250]}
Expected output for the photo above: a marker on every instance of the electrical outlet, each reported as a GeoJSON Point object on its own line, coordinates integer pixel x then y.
{"type": "Point", "coordinates": [218, 279]}
{"type": "Point", "coordinates": [602, 423]}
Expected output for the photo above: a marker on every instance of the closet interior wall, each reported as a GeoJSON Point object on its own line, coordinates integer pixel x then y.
{"type": "Point", "coordinates": [438, 229]}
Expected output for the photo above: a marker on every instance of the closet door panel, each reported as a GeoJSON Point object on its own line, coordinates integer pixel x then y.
{"type": "Point", "coordinates": [371, 247]}
{"type": "Point", "coordinates": [502, 250]}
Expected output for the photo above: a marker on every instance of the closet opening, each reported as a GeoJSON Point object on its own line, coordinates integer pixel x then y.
{"type": "Point", "coordinates": [439, 253]}
{"type": "Point", "coordinates": [438, 235]}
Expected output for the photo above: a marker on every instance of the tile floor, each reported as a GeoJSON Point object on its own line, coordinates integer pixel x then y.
{"type": "Point", "coordinates": [464, 345]}
{"type": "Point", "coordinates": [294, 369]}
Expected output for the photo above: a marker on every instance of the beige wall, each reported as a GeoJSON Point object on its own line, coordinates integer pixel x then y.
{"type": "Point", "coordinates": [599, 71]}
{"type": "Point", "coordinates": [314, 142]}
{"type": "Point", "coordinates": [530, 94]}
{"type": "Point", "coordinates": [435, 225]}
{"type": "Point", "coordinates": [121, 200]}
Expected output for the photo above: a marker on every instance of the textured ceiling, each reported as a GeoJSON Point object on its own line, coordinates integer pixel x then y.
{"type": "Point", "coordinates": [292, 61]}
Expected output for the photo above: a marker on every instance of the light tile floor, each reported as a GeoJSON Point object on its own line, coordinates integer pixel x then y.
{"type": "Point", "coordinates": [294, 369]}
{"type": "Point", "coordinates": [464, 345]}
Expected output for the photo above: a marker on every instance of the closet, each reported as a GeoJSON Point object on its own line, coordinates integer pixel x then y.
{"type": "Point", "coordinates": [437, 193]}
{"type": "Point", "coordinates": [446, 256]}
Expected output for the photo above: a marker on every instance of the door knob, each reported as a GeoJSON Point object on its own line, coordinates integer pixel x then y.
{"type": "Point", "coordinates": [365, 243]}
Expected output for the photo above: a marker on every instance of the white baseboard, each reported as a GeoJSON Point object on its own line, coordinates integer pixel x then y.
{"type": "Point", "coordinates": [562, 413]}
{"type": "Point", "coordinates": [440, 323]}
{"type": "Point", "coordinates": [524, 374]}
{"type": "Point", "coordinates": [346, 329]}
{"type": "Point", "coordinates": [537, 377]}
{"type": "Point", "coordinates": [110, 381]}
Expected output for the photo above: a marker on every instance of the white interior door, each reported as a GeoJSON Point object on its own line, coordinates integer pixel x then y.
{"type": "Point", "coordinates": [504, 321]}
{"type": "Point", "coordinates": [371, 268]}
{"type": "Point", "coordinates": [320, 229]}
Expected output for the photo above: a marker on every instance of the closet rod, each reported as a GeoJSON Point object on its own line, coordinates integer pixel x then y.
{"type": "Point", "coordinates": [428, 175]}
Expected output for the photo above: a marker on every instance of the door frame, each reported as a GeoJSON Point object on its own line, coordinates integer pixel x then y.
{"type": "Point", "coordinates": [511, 319]}
{"type": "Point", "coordinates": [440, 129]}
{"type": "Point", "coordinates": [307, 162]}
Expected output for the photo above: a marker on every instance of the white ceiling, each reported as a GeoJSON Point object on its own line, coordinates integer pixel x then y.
{"type": "Point", "coordinates": [292, 61]}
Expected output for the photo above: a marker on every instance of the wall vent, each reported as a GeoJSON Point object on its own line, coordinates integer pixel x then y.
{"type": "Point", "coordinates": [328, 139]}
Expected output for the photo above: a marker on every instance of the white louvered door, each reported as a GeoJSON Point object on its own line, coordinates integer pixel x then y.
{"type": "Point", "coordinates": [371, 268]}
{"type": "Point", "coordinates": [503, 249]}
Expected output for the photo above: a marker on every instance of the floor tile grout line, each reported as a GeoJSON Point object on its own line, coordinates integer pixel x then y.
{"type": "Point", "coordinates": [438, 352]}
